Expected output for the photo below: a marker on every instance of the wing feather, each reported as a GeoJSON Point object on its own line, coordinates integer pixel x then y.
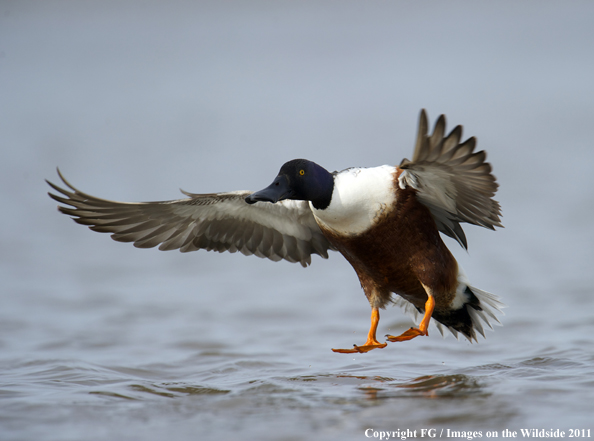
{"type": "Point", "coordinates": [452, 180]}
{"type": "Point", "coordinates": [215, 222]}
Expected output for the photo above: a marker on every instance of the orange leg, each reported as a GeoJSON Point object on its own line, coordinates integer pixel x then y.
{"type": "Point", "coordinates": [371, 342]}
{"type": "Point", "coordinates": [422, 329]}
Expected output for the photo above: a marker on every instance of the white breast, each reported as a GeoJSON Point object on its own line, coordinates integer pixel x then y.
{"type": "Point", "coordinates": [360, 197]}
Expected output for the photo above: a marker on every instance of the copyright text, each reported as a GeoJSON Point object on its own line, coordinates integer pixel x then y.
{"type": "Point", "coordinates": [403, 434]}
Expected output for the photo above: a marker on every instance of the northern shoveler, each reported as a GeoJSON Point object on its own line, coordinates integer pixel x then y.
{"type": "Point", "coordinates": [384, 220]}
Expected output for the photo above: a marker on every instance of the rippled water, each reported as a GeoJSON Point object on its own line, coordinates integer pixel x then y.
{"type": "Point", "coordinates": [99, 340]}
{"type": "Point", "coordinates": [169, 366]}
{"type": "Point", "coordinates": [208, 346]}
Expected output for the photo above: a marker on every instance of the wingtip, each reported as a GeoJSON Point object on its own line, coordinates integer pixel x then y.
{"type": "Point", "coordinates": [63, 179]}
{"type": "Point", "coordinates": [423, 120]}
{"type": "Point", "coordinates": [421, 134]}
{"type": "Point", "coordinates": [439, 129]}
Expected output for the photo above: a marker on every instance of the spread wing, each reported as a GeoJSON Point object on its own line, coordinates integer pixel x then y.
{"type": "Point", "coordinates": [453, 181]}
{"type": "Point", "coordinates": [218, 222]}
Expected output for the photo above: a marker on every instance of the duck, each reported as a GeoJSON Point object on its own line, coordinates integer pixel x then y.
{"type": "Point", "coordinates": [386, 221]}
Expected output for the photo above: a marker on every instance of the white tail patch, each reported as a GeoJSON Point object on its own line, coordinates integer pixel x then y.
{"type": "Point", "coordinates": [490, 304]}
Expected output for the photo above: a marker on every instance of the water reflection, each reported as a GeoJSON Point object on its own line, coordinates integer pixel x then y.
{"type": "Point", "coordinates": [428, 386]}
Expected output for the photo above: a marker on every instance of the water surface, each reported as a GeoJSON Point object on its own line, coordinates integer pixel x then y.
{"type": "Point", "coordinates": [99, 340]}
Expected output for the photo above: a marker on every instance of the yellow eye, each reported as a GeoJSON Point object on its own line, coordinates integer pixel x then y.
{"type": "Point", "coordinates": [301, 172]}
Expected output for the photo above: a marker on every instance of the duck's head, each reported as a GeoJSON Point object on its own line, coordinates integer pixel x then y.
{"type": "Point", "coordinates": [300, 180]}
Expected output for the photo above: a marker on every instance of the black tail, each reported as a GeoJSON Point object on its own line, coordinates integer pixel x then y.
{"type": "Point", "coordinates": [460, 319]}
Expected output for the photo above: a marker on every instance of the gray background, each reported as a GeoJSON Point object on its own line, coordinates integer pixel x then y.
{"type": "Point", "coordinates": [133, 100]}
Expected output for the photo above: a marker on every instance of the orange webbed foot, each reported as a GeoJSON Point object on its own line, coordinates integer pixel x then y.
{"type": "Point", "coordinates": [407, 335]}
{"type": "Point", "coordinates": [368, 346]}
{"type": "Point", "coordinates": [371, 342]}
{"type": "Point", "coordinates": [422, 329]}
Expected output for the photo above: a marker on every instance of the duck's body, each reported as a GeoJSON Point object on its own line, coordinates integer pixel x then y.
{"type": "Point", "coordinates": [384, 220]}
{"type": "Point", "coordinates": [401, 252]}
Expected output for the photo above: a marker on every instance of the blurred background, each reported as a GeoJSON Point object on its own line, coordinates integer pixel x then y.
{"type": "Point", "coordinates": [134, 100]}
